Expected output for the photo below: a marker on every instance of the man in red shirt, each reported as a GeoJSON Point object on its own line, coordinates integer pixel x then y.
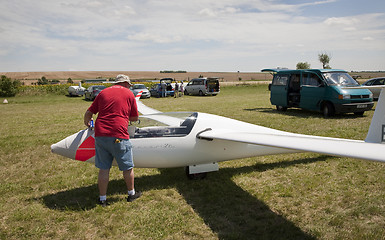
{"type": "Point", "coordinates": [115, 106]}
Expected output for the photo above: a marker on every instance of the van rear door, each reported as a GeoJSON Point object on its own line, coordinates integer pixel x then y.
{"type": "Point", "coordinates": [212, 85]}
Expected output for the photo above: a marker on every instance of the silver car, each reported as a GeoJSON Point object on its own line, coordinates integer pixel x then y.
{"type": "Point", "coordinates": [136, 88]}
{"type": "Point", "coordinates": [202, 86]}
{"type": "Point", "coordinates": [374, 82]}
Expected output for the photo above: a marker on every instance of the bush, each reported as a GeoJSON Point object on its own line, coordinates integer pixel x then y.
{"type": "Point", "coordinates": [8, 88]}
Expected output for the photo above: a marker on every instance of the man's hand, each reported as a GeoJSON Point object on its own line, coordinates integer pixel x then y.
{"type": "Point", "coordinates": [87, 118]}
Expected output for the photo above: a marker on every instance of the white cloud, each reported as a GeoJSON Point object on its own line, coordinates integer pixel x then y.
{"type": "Point", "coordinates": [368, 39]}
{"type": "Point", "coordinates": [346, 21]}
{"type": "Point", "coordinates": [153, 38]}
{"type": "Point", "coordinates": [207, 12]}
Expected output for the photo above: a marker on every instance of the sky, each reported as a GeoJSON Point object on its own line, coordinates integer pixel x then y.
{"type": "Point", "coordinates": [198, 35]}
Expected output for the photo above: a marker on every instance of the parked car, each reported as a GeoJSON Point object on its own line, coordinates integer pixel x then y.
{"type": "Point", "coordinates": [136, 88]}
{"type": "Point", "coordinates": [374, 82]}
{"type": "Point", "coordinates": [202, 86]}
{"type": "Point", "coordinates": [93, 91]}
{"type": "Point", "coordinates": [318, 90]}
{"type": "Point", "coordinates": [156, 90]}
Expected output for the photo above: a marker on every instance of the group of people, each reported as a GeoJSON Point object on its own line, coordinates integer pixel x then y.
{"type": "Point", "coordinates": [178, 89]}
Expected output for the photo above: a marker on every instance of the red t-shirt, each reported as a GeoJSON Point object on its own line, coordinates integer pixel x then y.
{"type": "Point", "coordinates": [115, 106]}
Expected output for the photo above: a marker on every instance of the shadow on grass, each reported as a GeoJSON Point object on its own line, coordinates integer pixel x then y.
{"type": "Point", "coordinates": [226, 208]}
{"type": "Point", "coordinates": [295, 112]}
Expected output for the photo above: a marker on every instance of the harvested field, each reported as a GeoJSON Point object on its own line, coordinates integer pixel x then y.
{"type": "Point", "coordinates": [31, 77]}
{"type": "Point", "coordinates": [229, 77]}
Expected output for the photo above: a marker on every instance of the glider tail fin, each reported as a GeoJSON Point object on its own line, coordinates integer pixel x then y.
{"type": "Point", "coordinates": [376, 133]}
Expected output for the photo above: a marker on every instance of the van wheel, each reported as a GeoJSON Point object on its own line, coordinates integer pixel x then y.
{"type": "Point", "coordinates": [328, 110]}
{"type": "Point", "coordinates": [359, 113]}
{"type": "Point", "coordinates": [185, 92]}
{"type": "Point", "coordinates": [200, 93]}
{"type": "Point", "coordinates": [281, 109]}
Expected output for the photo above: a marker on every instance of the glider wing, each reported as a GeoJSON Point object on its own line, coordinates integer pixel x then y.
{"type": "Point", "coordinates": [155, 114]}
{"type": "Point", "coordinates": [143, 109]}
{"type": "Point", "coordinates": [322, 145]}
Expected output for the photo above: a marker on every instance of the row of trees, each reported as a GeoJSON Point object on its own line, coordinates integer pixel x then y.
{"type": "Point", "coordinates": [44, 81]}
{"type": "Point", "coordinates": [324, 58]}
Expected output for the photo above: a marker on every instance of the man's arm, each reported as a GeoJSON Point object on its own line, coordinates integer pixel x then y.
{"type": "Point", "coordinates": [87, 118]}
{"type": "Point", "coordinates": [134, 119]}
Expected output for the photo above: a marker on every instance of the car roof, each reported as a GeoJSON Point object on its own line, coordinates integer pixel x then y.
{"type": "Point", "coordinates": [285, 70]}
{"type": "Point", "coordinates": [377, 78]}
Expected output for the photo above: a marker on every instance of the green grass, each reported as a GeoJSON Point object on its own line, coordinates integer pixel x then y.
{"type": "Point", "coordinates": [293, 196]}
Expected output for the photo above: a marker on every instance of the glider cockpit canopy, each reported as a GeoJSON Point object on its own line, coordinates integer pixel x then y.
{"type": "Point", "coordinates": [157, 125]}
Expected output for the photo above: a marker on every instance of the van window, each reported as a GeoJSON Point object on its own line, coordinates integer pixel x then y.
{"type": "Point", "coordinates": [197, 82]}
{"type": "Point", "coordinates": [340, 78]}
{"type": "Point", "coordinates": [280, 80]}
{"type": "Point", "coordinates": [379, 82]}
{"type": "Point", "coordinates": [311, 79]}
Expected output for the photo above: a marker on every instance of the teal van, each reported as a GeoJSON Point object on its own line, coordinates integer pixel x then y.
{"type": "Point", "coordinates": [318, 90]}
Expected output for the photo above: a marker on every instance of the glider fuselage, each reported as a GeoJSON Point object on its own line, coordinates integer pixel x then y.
{"type": "Point", "coordinates": [166, 152]}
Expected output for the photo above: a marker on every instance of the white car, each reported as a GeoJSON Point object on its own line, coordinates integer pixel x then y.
{"type": "Point", "coordinates": [136, 88]}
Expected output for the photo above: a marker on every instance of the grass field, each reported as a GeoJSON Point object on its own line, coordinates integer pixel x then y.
{"type": "Point", "coordinates": [294, 196]}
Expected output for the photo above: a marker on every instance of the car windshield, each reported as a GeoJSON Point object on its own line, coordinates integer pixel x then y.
{"type": "Point", "coordinates": [99, 87]}
{"type": "Point", "coordinates": [340, 78]}
{"type": "Point", "coordinates": [141, 86]}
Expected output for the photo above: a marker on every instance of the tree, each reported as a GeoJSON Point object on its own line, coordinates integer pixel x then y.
{"type": "Point", "coordinates": [303, 65]}
{"type": "Point", "coordinates": [8, 88]}
{"type": "Point", "coordinates": [69, 80]}
{"type": "Point", "coordinates": [324, 59]}
{"type": "Point", "coordinates": [42, 81]}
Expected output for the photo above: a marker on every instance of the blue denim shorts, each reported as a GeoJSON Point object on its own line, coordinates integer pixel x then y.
{"type": "Point", "coordinates": [108, 148]}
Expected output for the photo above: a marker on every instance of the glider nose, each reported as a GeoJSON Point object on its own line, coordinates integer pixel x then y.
{"type": "Point", "coordinates": [60, 149]}
{"type": "Point", "coordinates": [79, 146]}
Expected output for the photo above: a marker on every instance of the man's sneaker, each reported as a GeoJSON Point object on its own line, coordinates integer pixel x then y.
{"type": "Point", "coordinates": [103, 203]}
{"type": "Point", "coordinates": [131, 198]}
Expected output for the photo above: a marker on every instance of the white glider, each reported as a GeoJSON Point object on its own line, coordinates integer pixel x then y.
{"type": "Point", "coordinates": [199, 141]}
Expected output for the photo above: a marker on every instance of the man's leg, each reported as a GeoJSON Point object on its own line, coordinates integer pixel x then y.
{"type": "Point", "coordinates": [129, 179]}
{"type": "Point", "coordinates": [103, 179]}
{"type": "Point", "coordinates": [128, 176]}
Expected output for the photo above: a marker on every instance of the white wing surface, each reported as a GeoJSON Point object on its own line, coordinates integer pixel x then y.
{"type": "Point", "coordinates": [155, 114]}
{"type": "Point", "coordinates": [328, 146]}
{"type": "Point", "coordinates": [143, 109]}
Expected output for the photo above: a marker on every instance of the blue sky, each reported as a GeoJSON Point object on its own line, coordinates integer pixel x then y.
{"type": "Point", "coordinates": [201, 35]}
